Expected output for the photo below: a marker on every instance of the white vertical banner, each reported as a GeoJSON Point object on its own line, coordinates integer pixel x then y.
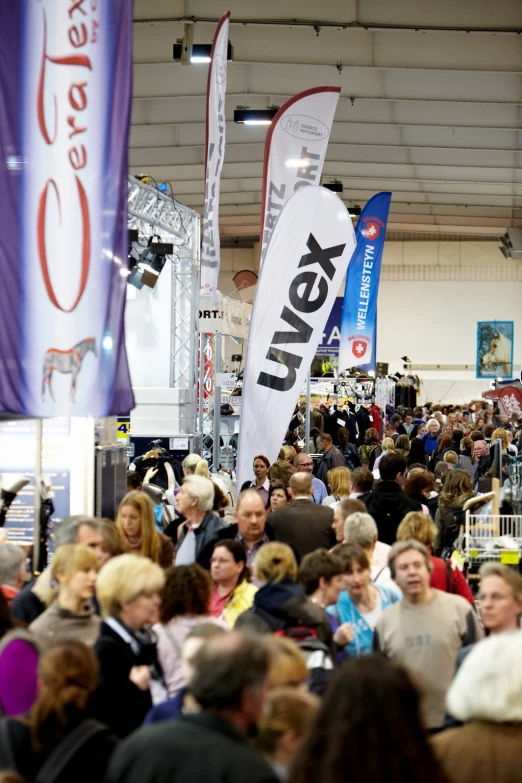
{"type": "Point", "coordinates": [214, 154]}
{"type": "Point", "coordinates": [309, 251]}
{"type": "Point", "coordinates": [295, 149]}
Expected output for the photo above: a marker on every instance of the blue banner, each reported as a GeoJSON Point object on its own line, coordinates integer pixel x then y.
{"type": "Point", "coordinates": [359, 319]}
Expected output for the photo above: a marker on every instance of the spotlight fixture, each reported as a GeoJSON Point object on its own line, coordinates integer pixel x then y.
{"type": "Point", "coordinates": [405, 359]}
{"type": "Point", "coordinates": [335, 186]}
{"type": "Point", "coordinates": [199, 53]}
{"type": "Point", "coordinates": [354, 211]}
{"type": "Point", "coordinates": [512, 244]}
{"type": "Point", "coordinates": [254, 116]}
{"type": "Point", "coordinates": [145, 267]}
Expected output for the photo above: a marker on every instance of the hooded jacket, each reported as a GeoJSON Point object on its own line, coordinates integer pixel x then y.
{"type": "Point", "coordinates": [281, 605]}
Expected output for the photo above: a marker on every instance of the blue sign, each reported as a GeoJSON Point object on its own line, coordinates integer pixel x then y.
{"type": "Point", "coordinates": [359, 319]}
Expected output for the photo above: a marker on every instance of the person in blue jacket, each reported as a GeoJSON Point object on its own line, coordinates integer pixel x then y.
{"type": "Point", "coordinates": [431, 437]}
{"type": "Point", "coordinates": [362, 602]}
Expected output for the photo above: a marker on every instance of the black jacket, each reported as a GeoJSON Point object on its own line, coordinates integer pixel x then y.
{"type": "Point", "coordinates": [285, 605]}
{"type": "Point", "coordinates": [388, 505]}
{"type": "Point", "coordinates": [228, 532]}
{"type": "Point", "coordinates": [26, 606]}
{"type": "Point", "coordinates": [117, 702]}
{"type": "Point", "coordinates": [304, 526]}
{"type": "Point", "coordinates": [206, 533]}
{"type": "Point", "coordinates": [88, 764]}
{"type": "Point", "coordinates": [189, 749]}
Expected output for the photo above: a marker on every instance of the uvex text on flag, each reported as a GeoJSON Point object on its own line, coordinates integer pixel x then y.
{"type": "Point", "coordinates": [359, 319]}
{"type": "Point", "coordinates": [295, 150]}
{"type": "Point", "coordinates": [64, 128]}
{"type": "Point", "coordinates": [214, 154]}
{"type": "Point", "coordinates": [309, 251]}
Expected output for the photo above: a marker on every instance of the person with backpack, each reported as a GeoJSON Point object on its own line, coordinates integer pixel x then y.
{"type": "Point", "coordinates": [348, 450]}
{"type": "Point", "coordinates": [282, 608]}
{"type": "Point", "coordinates": [370, 449]}
{"type": "Point", "coordinates": [57, 742]}
{"type": "Point", "coordinates": [444, 576]}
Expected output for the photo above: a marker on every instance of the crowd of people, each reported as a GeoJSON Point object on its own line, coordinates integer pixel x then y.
{"type": "Point", "coordinates": [310, 628]}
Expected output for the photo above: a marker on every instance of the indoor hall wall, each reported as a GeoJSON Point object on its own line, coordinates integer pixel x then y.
{"type": "Point", "coordinates": [431, 296]}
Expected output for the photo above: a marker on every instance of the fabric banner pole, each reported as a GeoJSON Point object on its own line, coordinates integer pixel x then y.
{"type": "Point", "coordinates": [358, 344]}
{"type": "Point", "coordinates": [309, 251]}
{"type": "Point", "coordinates": [307, 414]}
{"type": "Point", "coordinates": [214, 155]}
{"type": "Point", "coordinates": [202, 338]}
{"type": "Point", "coordinates": [217, 404]}
{"type": "Point", "coordinates": [295, 150]}
{"type": "Point", "coordinates": [64, 133]}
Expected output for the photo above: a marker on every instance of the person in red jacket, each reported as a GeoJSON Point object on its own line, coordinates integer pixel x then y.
{"type": "Point", "coordinates": [444, 576]}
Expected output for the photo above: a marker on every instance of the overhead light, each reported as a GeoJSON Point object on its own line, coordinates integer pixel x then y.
{"type": "Point", "coordinates": [335, 187]}
{"type": "Point", "coordinates": [512, 244]}
{"type": "Point", "coordinates": [354, 211]}
{"type": "Point", "coordinates": [145, 267]}
{"type": "Point", "coordinates": [297, 163]}
{"type": "Point", "coordinates": [405, 359]}
{"type": "Point", "coordinates": [199, 53]}
{"type": "Point", "coordinates": [255, 116]}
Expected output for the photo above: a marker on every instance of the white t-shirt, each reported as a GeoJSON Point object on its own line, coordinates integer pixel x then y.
{"type": "Point", "coordinates": [372, 617]}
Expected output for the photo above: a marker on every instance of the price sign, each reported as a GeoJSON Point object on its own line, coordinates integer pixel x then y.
{"type": "Point", "coordinates": [510, 558]}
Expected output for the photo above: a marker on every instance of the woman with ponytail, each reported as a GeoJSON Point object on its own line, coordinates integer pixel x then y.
{"type": "Point", "coordinates": [57, 742]}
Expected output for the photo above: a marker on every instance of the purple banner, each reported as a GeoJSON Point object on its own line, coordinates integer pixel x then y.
{"type": "Point", "coordinates": [65, 100]}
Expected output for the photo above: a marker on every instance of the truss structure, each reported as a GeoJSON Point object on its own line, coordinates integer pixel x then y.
{"type": "Point", "coordinates": [154, 213]}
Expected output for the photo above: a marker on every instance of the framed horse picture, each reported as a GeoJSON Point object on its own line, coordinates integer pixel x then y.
{"type": "Point", "coordinates": [495, 349]}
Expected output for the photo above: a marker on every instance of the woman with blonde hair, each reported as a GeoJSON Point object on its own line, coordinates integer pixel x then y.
{"type": "Point", "coordinates": [339, 483]}
{"type": "Point", "coordinates": [419, 527]}
{"type": "Point", "coordinates": [70, 614]}
{"type": "Point", "coordinates": [388, 445]}
{"type": "Point", "coordinates": [195, 465]}
{"type": "Point", "coordinates": [449, 515]}
{"type": "Point", "coordinates": [136, 525]}
{"type": "Point", "coordinates": [128, 590]}
{"type": "Point", "coordinates": [288, 668]}
{"type": "Point", "coordinates": [58, 741]}
{"type": "Point", "coordinates": [287, 453]}
{"type": "Point", "coordinates": [281, 603]}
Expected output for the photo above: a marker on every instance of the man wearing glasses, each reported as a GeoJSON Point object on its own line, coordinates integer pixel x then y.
{"type": "Point", "coordinates": [304, 464]}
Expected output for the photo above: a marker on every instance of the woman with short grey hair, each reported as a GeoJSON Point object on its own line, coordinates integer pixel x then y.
{"type": "Point", "coordinates": [194, 501]}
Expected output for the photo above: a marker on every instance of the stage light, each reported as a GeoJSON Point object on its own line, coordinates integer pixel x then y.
{"type": "Point", "coordinates": [512, 244]}
{"type": "Point", "coordinates": [199, 53]}
{"type": "Point", "coordinates": [254, 116]}
{"type": "Point", "coordinates": [146, 266]}
{"type": "Point", "coordinates": [354, 211]}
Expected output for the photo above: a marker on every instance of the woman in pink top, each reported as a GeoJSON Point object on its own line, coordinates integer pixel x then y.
{"type": "Point", "coordinates": [185, 605]}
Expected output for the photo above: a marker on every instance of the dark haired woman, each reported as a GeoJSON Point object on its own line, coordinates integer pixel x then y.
{"type": "Point", "coordinates": [261, 483]}
{"type": "Point", "coordinates": [444, 442]}
{"type": "Point", "coordinates": [370, 449]}
{"type": "Point", "coordinates": [184, 605]}
{"type": "Point", "coordinates": [36, 746]}
{"type": "Point", "coordinates": [416, 453]}
{"type": "Point", "coordinates": [278, 496]}
{"type": "Point", "coordinates": [232, 593]}
{"type": "Point", "coordinates": [368, 728]}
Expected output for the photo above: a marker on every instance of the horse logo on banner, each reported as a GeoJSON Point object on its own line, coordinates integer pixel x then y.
{"type": "Point", "coordinates": [67, 362]}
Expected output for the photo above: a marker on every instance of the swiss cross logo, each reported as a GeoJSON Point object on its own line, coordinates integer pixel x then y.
{"type": "Point", "coordinates": [358, 348]}
{"type": "Point", "coordinates": [371, 231]}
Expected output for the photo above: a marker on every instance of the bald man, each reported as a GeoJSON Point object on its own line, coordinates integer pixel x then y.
{"type": "Point", "coordinates": [303, 525]}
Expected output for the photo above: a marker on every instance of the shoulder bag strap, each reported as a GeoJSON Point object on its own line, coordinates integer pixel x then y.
{"type": "Point", "coordinates": [172, 640]}
{"type": "Point", "coordinates": [7, 760]}
{"type": "Point", "coordinates": [53, 767]}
